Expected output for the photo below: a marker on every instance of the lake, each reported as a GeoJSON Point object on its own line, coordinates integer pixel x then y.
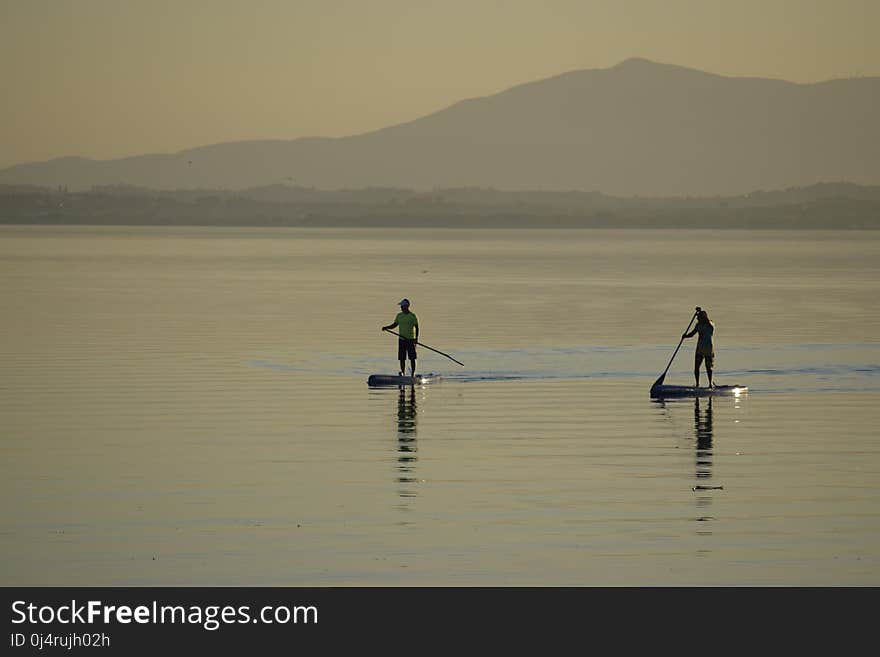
{"type": "Point", "coordinates": [188, 406]}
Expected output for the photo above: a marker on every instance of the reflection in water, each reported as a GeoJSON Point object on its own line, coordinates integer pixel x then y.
{"type": "Point", "coordinates": [406, 441]}
{"type": "Point", "coordinates": [703, 431]}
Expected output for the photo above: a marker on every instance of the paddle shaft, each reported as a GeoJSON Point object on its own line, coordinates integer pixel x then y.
{"type": "Point", "coordinates": [425, 346]}
{"type": "Point", "coordinates": [659, 381]}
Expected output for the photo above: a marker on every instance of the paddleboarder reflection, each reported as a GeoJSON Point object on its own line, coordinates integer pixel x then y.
{"type": "Point", "coordinates": [406, 440]}
{"type": "Point", "coordinates": [703, 433]}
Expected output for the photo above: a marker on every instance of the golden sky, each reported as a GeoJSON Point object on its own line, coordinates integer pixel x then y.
{"type": "Point", "coordinates": [111, 78]}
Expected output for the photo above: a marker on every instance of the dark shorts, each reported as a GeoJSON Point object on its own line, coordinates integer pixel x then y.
{"type": "Point", "coordinates": [406, 349]}
{"type": "Point", "coordinates": [708, 356]}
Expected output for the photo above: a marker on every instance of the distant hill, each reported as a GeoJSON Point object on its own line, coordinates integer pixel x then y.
{"type": "Point", "coordinates": [638, 128]}
{"type": "Point", "coordinates": [839, 206]}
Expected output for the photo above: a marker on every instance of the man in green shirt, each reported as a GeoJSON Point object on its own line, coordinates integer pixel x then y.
{"type": "Point", "coordinates": [409, 334]}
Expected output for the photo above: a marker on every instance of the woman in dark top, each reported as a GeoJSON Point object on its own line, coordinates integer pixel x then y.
{"type": "Point", "coordinates": [705, 347]}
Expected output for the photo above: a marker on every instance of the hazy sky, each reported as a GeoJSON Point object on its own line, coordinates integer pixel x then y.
{"type": "Point", "coordinates": [110, 78]}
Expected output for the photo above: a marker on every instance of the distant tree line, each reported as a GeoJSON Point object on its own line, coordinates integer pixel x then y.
{"type": "Point", "coordinates": [820, 206]}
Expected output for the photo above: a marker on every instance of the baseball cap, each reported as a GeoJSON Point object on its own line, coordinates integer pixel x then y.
{"type": "Point", "coordinates": [403, 302]}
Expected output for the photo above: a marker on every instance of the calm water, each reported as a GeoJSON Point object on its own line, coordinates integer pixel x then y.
{"type": "Point", "coordinates": [189, 406]}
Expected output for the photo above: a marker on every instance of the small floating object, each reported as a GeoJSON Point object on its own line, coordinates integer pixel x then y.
{"type": "Point", "coordinates": [384, 380]}
{"type": "Point", "coordinates": [662, 391]}
{"type": "Point", "coordinates": [708, 488]}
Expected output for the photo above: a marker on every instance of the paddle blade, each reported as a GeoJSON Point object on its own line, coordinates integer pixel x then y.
{"type": "Point", "coordinates": [659, 381]}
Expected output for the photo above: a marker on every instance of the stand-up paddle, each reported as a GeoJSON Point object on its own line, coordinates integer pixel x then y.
{"type": "Point", "coordinates": [426, 346]}
{"type": "Point", "coordinates": [659, 381]}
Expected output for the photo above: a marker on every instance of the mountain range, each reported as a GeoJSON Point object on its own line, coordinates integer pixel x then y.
{"type": "Point", "coordinates": [637, 128]}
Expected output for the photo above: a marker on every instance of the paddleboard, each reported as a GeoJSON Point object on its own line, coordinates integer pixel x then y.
{"type": "Point", "coordinates": [692, 391]}
{"type": "Point", "coordinates": [376, 380]}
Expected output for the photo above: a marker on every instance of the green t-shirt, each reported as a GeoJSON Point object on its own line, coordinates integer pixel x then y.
{"type": "Point", "coordinates": [407, 323]}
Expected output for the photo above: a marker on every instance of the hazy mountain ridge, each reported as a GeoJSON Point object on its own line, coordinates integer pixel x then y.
{"type": "Point", "coordinates": [635, 128]}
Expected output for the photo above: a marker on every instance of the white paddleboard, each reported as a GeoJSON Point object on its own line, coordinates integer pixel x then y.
{"type": "Point", "coordinates": [377, 380]}
{"type": "Point", "coordinates": [692, 391]}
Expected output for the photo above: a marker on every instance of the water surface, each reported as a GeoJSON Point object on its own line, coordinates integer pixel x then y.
{"type": "Point", "coordinates": [189, 406]}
